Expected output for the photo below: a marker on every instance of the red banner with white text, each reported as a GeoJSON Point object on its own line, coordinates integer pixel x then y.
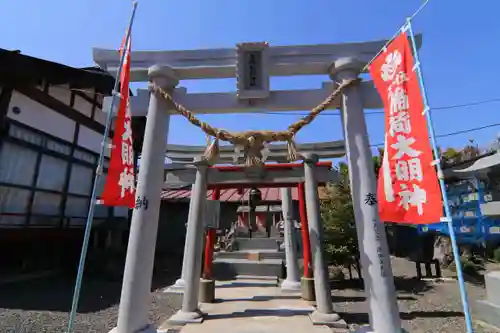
{"type": "Point", "coordinates": [408, 187]}
{"type": "Point", "coordinates": [119, 188]}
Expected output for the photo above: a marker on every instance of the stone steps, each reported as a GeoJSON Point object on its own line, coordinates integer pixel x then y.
{"type": "Point", "coordinates": [257, 257]}
{"type": "Point", "coordinates": [245, 244]}
{"type": "Point", "coordinates": [230, 268]}
{"type": "Point", "coordinates": [246, 254]}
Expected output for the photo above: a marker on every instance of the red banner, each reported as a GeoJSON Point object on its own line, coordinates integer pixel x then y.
{"type": "Point", "coordinates": [119, 188]}
{"type": "Point", "coordinates": [408, 187]}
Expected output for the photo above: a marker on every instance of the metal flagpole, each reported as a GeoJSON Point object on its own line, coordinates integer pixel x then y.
{"type": "Point", "coordinates": [90, 216]}
{"type": "Point", "coordinates": [447, 218]}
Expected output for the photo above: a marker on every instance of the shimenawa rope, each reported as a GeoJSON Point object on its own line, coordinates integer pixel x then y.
{"type": "Point", "coordinates": [252, 142]}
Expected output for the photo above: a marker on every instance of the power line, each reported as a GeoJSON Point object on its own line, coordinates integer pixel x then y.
{"type": "Point", "coordinates": [454, 133]}
{"type": "Point", "coordinates": [444, 107]}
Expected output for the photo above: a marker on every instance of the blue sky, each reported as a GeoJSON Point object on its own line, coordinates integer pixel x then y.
{"type": "Point", "coordinates": [459, 52]}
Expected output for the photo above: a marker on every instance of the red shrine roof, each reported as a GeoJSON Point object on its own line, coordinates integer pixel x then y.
{"type": "Point", "coordinates": [233, 195]}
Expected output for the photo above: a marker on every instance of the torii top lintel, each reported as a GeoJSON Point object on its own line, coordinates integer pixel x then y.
{"type": "Point", "coordinates": [221, 63]}
{"type": "Point", "coordinates": [276, 152]}
{"type": "Point", "coordinates": [227, 63]}
{"type": "Point", "coordinates": [237, 176]}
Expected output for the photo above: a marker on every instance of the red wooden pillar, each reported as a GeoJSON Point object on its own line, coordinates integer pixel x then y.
{"type": "Point", "coordinates": [209, 244]}
{"type": "Point", "coordinates": [306, 245]}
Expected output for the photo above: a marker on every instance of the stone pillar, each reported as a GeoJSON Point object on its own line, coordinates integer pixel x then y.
{"type": "Point", "coordinates": [324, 314]}
{"type": "Point", "coordinates": [180, 283]}
{"type": "Point", "coordinates": [189, 313]}
{"type": "Point", "coordinates": [292, 281]}
{"type": "Point", "coordinates": [373, 249]}
{"type": "Point", "coordinates": [488, 310]}
{"type": "Point", "coordinates": [136, 290]}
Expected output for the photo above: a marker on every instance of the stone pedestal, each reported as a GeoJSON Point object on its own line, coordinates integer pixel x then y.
{"type": "Point", "coordinates": [207, 291]}
{"type": "Point", "coordinates": [368, 329]}
{"type": "Point", "coordinates": [307, 289]}
{"type": "Point", "coordinates": [148, 329]}
{"type": "Point", "coordinates": [332, 320]}
{"type": "Point", "coordinates": [289, 286]}
{"type": "Point", "coordinates": [177, 287]}
{"type": "Point", "coordinates": [488, 310]}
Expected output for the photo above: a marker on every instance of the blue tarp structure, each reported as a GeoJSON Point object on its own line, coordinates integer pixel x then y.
{"type": "Point", "coordinates": [465, 198]}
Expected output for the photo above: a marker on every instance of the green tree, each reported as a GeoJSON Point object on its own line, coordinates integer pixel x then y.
{"type": "Point", "coordinates": [338, 219]}
{"type": "Point", "coordinates": [450, 156]}
{"type": "Point", "coordinates": [377, 161]}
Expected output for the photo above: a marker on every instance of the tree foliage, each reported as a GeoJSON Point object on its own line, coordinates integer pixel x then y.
{"type": "Point", "coordinates": [377, 161]}
{"type": "Point", "coordinates": [338, 220]}
{"type": "Point", "coordinates": [337, 213]}
{"type": "Point", "coordinates": [452, 156]}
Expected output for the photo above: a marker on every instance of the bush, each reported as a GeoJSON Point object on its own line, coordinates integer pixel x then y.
{"type": "Point", "coordinates": [469, 267]}
{"type": "Point", "coordinates": [496, 255]}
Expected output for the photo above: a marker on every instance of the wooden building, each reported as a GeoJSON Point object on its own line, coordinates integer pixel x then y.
{"type": "Point", "coordinates": [51, 129]}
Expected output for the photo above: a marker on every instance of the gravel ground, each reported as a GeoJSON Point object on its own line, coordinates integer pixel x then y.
{"type": "Point", "coordinates": [425, 306]}
{"type": "Point", "coordinates": [43, 306]}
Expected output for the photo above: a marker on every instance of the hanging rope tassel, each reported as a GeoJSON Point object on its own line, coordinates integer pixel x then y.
{"type": "Point", "coordinates": [292, 150]}
{"type": "Point", "coordinates": [253, 154]}
{"type": "Point", "coordinates": [212, 151]}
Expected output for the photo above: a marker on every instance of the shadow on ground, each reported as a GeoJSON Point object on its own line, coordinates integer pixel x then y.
{"type": "Point", "coordinates": [250, 313]}
{"type": "Point", "coordinates": [56, 293]}
{"type": "Point", "coordinates": [362, 318]}
{"type": "Point", "coordinates": [403, 284]}
{"type": "Point", "coordinates": [475, 279]}
{"type": "Point", "coordinates": [257, 298]}
{"type": "Point", "coordinates": [350, 317]}
{"type": "Point", "coordinates": [262, 284]}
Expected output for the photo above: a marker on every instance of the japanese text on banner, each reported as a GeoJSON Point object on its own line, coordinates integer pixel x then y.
{"type": "Point", "coordinates": [408, 189]}
{"type": "Point", "coordinates": [119, 188]}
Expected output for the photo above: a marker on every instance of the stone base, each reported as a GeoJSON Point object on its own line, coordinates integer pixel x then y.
{"type": "Point", "coordinates": [290, 286]}
{"type": "Point", "coordinates": [487, 312]}
{"type": "Point", "coordinates": [176, 288]}
{"type": "Point", "coordinates": [181, 318]}
{"type": "Point", "coordinates": [307, 289]}
{"type": "Point", "coordinates": [368, 329]}
{"type": "Point", "coordinates": [328, 319]}
{"type": "Point", "coordinates": [207, 291]}
{"type": "Point", "coordinates": [148, 329]}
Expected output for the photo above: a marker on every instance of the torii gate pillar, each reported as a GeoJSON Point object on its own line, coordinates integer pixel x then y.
{"type": "Point", "coordinates": [324, 313]}
{"type": "Point", "coordinates": [373, 249]}
{"type": "Point", "coordinates": [292, 281]}
{"type": "Point", "coordinates": [136, 290]}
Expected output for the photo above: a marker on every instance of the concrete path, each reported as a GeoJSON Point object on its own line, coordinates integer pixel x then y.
{"type": "Point", "coordinates": [253, 306]}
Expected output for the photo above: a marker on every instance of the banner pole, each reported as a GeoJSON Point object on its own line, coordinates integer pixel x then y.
{"type": "Point", "coordinates": [456, 252]}
{"type": "Point", "coordinates": [90, 216]}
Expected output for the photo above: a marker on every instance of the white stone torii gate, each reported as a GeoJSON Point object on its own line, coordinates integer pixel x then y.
{"type": "Point", "coordinates": [253, 64]}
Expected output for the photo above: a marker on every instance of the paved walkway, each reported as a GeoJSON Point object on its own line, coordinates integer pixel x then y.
{"type": "Point", "coordinates": [254, 306]}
